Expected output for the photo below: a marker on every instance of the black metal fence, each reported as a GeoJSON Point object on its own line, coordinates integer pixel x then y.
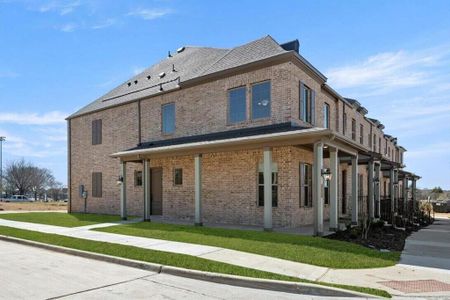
{"type": "Point", "coordinates": [385, 209]}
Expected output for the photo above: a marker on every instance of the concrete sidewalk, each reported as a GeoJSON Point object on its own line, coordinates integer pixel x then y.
{"type": "Point", "coordinates": [381, 278]}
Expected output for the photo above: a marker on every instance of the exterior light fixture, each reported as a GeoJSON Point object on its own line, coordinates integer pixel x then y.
{"type": "Point", "coordinates": [326, 174]}
{"type": "Point", "coordinates": [376, 180]}
{"type": "Point", "coordinates": [119, 180]}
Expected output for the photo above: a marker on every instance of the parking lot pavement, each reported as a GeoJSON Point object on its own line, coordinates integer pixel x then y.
{"type": "Point", "coordinates": [33, 273]}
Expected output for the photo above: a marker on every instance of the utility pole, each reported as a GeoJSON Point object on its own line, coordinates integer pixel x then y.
{"type": "Point", "coordinates": [2, 139]}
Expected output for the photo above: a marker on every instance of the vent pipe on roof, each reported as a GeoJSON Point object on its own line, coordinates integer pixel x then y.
{"type": "Point", "coordinates": [181, 49]}
{"type": "Point", "coordinates": [291, 46]}
{"type": "Point", "coordinates": [148, 77]}
{"type": "Point", "coordinates": [173, 68]}
{"type": "Point", "coordinates": [169, 55]}
{"type": "Point", "coordinates": [160, 87]}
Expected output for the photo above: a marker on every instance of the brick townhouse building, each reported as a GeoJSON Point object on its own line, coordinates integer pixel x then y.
{"type": "Point", "coordinates": [251, 135]}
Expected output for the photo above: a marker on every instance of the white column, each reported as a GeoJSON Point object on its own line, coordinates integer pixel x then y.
{"type": "Point", "coordinates": [378, 189]}
{"type": "Point", "coordinates": [147, 189]}
{"type": "Point", "coordinates": [392, 192]}
{"type": "Point", "coordinates": [198, 189]}
{"type": "Point", "coordinates": [318, 189]}
{"type": "Point", "coordinates": [355, 190]}
{"type": "Point", "coordinates": [334, 189]}
{"type": "Point", "coordinates": [267, 169]}
{"type": "Point", "coordinates": [405, 196]}
{"type": "Point", "coordinates": [371, 198]}
{"type": "Point", "coordinates": [123, 190]}
{"type": "Point", "coordinates": [413, 193]}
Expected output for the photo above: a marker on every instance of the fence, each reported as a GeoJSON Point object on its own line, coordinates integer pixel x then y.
{"type": "Point", "coordinates": [385, 209]}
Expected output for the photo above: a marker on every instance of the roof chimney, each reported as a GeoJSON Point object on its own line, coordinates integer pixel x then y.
{"type": "Point", "coordinates": [291, 46]}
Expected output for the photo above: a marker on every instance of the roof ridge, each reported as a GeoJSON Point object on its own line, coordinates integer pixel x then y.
{"type": "Point", "coordinates": [234, 48]}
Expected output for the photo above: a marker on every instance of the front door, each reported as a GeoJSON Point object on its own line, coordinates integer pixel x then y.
{"type": "Point", "coordinates": [156, 191]}
{"type": "Point", "coordinates": [344, 192]}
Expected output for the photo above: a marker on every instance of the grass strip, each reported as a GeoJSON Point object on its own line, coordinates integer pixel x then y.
{"type": "Point", "coordinates": [60, 219]}
{"type": "Point", "coordinates": [165, 258]}
{"type": "Point", "coordinates": [305, 249]}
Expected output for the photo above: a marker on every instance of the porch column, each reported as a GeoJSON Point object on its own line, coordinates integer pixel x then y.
{"type": "Point", "coordinates": [123, 190]}
{"type": "Point", "coordinates": [334, 189]}
{"type": "Point", "coordinates": [318, 189]}
{"type": "Point", "coordinates": [267, 169]}
{"type": "Point", "coordinates": [370, 190]}
{"type": "Point", "coordinates": [378, 189]}
{"type": "Point", "coordinates": [198, 189]}
{"type": "Point", "coordinates": [413, 193]}
{"type": "Point", "coordinates": [355, 190]}
{"type": "Point", "coordinates": [405, 196]}
{"type": "Point", "coordinates": [147, 188]}
{"type": "Point", "coordinates": [392, 193]}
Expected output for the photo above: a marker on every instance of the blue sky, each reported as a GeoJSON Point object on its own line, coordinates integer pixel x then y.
{"type": "Point", "coordinates": [57, 56]}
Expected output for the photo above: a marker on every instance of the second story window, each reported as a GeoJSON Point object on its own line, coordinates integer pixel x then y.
{"type": "Point", "coordinates": [379, 145]}
{"type": "Point", "coordinates": [361, 134]}
{"type": "Point", "coordinates": [344, 125]}
{"type": "Point", "coordinates": [326, 115]}
{"type": "Point", "coordinates": [261, 100]}
{"type": "Point", "coordinates": [96, 132]}
{"type": "Point", "coordinates": [168, 118]}
{"type": "Point", "coordinates": [354, 129]}
{"type": "Point", "coordinates": [374, 143]}
{"type": "Point", "coordinates": [307, 104]}
{"type": "Point", "coordinates": [237, 105]}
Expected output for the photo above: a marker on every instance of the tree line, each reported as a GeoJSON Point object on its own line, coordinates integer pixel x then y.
{"type": "Point", "coordinates": [24, 178]}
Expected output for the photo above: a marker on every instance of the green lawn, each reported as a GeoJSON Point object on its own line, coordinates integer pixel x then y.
{"type": "Point", "coordinates": [60, 219]}
{"type": "Point", "coordinates": [310, 250]}
{"type": "Point", "coordinates": [164, 258]}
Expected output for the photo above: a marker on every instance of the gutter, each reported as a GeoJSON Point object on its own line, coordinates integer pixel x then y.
{"type": "Point", "coordinates": [228, 142]}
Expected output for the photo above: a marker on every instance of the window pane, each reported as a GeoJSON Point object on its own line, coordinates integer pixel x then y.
{"type": "Point", "coordinates": [178, 176]}
{"type": "Point", "coordinates": [261, 101]}
{"type": "Point", "coordinates": [237, 105]}
{"type": "Point", "coordinates": [138, 178]}
{"type": "Point", "coordinates": [168, 118]}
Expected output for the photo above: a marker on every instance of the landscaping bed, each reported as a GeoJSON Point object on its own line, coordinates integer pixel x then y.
{"type": "Point", "coordinates": [380, 237]}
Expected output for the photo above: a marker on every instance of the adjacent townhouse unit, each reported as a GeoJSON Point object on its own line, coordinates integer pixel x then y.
{"type": "Point", "coordinates": [251, 135]}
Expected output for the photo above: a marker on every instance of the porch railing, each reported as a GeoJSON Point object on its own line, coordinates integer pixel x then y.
{"type": "Point", "coordinates": [385, 209]}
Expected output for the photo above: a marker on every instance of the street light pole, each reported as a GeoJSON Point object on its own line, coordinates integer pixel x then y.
{"type": "Point", "coordinates": [2, 139]}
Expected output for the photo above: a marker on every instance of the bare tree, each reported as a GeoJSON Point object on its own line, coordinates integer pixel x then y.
{"type": "Point", "coordinates": [23, 177]}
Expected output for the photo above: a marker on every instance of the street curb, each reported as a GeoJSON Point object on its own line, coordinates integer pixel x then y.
{"type": "Point", "coordinates": [266, 284]}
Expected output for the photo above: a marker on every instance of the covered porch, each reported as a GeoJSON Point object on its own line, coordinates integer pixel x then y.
{"type": "Point", "coordinates": [315, 146]}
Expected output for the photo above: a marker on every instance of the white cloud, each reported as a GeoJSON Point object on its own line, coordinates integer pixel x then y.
{"type": "Point", "coordinates": [68, 27]}
{"type": "Point", "coordinates": [104, 24]}
{"type": "Point", "coordinates": [150, 13]}
{"type": "Point", "coordinates": [61, 7]}
{"type": "Point", "coordinates": [53, 117]}
{"type": "Point", "coordinates": [386, 71]}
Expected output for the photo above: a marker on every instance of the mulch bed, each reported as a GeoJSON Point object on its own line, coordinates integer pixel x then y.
{"type": "Point", "coordinates": [380, 237]}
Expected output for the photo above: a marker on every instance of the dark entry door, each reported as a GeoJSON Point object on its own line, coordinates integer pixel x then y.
{"type": "Point", "coordinates": [344, 192]}
{"type": "Point", "coordinates": [156, 191]}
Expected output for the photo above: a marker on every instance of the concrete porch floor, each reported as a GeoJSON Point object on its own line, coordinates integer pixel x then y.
{"type": "Point", "coordinates": [303, 230]}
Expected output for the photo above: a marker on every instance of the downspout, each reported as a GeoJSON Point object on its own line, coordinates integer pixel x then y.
{"type": "Point", "coordinates": [69, 166]}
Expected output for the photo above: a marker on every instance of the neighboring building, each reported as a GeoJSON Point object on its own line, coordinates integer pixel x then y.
{"type": "Point", "coordinates": [240, 136]}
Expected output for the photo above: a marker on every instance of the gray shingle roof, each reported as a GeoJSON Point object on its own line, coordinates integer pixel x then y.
{"type": "Point", "coordinates": [190, 63]}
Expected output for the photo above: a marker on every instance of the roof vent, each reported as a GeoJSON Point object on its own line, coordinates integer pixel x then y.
{"type": "Point", "coordinates": [169, 55]}
{"type": "Point", "coordinates": [291, 46]}
{"type": "Point", "coordinates": [129, 83]}
{"type": "Point", "coordinates": [160, 87]}
{"type": "Point", "coordinates": [162, 74]}
{"type": "Point", "coordinates": [173, 68]}
{"type": "Point", "coordinates": [181, 49]}
{"type": "Point", "coordinates": [148, 77]}
{"type": "Point", "coordinates": [135, 82]}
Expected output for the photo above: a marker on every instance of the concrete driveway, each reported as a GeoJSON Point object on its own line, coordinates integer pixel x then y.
{"type": "Point", "coordinates": [33, 273]}
{"type": "Point", "coordinates": [429, 247]}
